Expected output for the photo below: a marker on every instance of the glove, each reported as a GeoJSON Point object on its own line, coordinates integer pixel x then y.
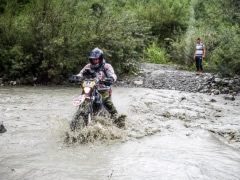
{"type": "Point", "coordinates": [74, 79]}
{"type": "Point", "coordinates": [108, 81]}
{"type": "Point", "coordinates": [89, 73]}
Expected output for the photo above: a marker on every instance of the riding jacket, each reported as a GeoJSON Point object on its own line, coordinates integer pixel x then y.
{"type": "Point", "coordinates": [105, 71]}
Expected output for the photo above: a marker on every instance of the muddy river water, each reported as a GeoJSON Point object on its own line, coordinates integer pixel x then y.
{"type": "Point", "coordinates": [168, 135]}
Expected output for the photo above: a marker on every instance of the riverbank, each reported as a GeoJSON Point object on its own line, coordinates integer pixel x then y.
{"type": "Point", "coordinates": [157, 76]}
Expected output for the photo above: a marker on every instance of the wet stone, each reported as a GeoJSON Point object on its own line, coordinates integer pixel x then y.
{"type": "Point", "coordinates": [138, 82]}
{"type": "Point", "coordinates": [217, 80]}
{"type": "Point", "coordinates": [213, 100]}
{"type": "Point", "coordinates": [2, 128]}
{"type": "Point", "coordinates": [215, 91]}
{"type": "Point", "coordinates": [183, 98]}
{"type": "Point", "coordinates": [204, 91]}
{"type": "Point", "coordinates": [225, 90]}
{"type": "Point", "coordinates": [229, 97]}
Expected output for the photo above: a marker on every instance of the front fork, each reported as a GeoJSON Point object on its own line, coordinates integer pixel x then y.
{"type": "Point", "coordinates": [90, 112]}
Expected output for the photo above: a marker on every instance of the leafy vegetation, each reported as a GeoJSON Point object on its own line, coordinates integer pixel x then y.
{"type": "Point", "coordinates": [217, 23]}
{"type": "Point", "coordinates": [46, 41]}
{"type": "Point", "coordinates": [156, 55]}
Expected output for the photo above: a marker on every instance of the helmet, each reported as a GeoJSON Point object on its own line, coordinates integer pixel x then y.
{"type": "Point", "coordinates": [96, 53]}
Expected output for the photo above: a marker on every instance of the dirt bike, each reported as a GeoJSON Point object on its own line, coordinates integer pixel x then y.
{"type": "Point", "coordinates": [90, 102]}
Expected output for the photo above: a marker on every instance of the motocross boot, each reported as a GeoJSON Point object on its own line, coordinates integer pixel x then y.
{"type": "Point", "coordinates": [114, 114]}
{"type": "Point", "coordinates": [119, 121]}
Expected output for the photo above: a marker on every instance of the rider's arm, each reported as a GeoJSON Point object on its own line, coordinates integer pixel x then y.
{"type": "Point", "coordinates": [80, 74]}
{"type": "Point", "coordinates": [110, 72]}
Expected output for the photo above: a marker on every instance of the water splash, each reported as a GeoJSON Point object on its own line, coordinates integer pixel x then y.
{"type": "Point", "coordinates": [101, 130]}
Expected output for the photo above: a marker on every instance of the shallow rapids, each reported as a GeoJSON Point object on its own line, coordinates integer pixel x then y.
{"type": "Point", "coordinates": [168, 135]}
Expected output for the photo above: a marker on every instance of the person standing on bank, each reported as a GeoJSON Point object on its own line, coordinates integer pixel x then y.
{"type": "Point", "coordinates": [199, 55]}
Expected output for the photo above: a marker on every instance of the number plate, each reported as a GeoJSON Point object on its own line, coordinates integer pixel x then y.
{"type": "Point", "coordinates": [78, 100]}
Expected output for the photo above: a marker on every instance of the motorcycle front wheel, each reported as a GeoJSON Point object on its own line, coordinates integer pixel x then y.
{"type": "Point", "coordinates": [80, 118]}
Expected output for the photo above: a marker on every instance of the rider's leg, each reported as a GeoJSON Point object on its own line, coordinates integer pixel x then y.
{"type": "Point", "coordinates": [107, 102]}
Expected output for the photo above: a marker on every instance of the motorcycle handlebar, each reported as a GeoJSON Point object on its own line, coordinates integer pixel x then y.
{"type": "Point", "coordinates": [74, 79]}
{"type": "Point", "coordinates": [77, 79]}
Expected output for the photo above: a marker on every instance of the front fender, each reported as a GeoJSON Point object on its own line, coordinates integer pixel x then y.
{"type": "Point", "coordinates": [79, 100]}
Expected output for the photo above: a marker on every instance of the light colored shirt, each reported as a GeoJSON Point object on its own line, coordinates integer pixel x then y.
{"type": "Point", "coordinates": [199, 49]}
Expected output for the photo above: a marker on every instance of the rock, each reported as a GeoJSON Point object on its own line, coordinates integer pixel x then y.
{"type": "Point", "coordinates": [183, 98]}
{"type": "Point", "coordinates": [213, 100]}
{"type": "Point", "coordinates": [138, 82]}
{"type": "Point", "coordinates": [217, 80]}
{"type": "Point", "coordinates": [2, 128]}
{"type": "Point", "coordinates": [229, 97]}
{"type": "Point", "coordinates": [237, 88]}
{"type": "Point", "coordinates": [225, 90]}
{"type": "Point", "coordinates": [231, 81]}
{"type": "Point", "coordinates": [168, 77]}
{"type": "Point", "coordinates": [215, 91]}
{"type": "Point", "coordinates": [209, 79]}
{"type": "Point", "coordinates": [13, 83]}
{"type": "Point", "coordinates": [234, 93]}
{"type": "Point", "coordinates": [167, 114]}
{"type": "Point", "coordinates": [204, 91]}
{"type": "Point", "coordinates": [225, 82]}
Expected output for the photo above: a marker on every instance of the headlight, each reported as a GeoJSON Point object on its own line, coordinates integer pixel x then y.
{"type": "Point", "coordinates": [87, 89]}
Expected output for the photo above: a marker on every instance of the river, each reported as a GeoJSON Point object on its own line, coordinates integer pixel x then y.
{"type": "Point", "coordinates": [168, 135]}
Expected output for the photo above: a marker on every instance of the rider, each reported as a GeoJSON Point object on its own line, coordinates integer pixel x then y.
{"type": "Point", "coordinates": [103, 70]}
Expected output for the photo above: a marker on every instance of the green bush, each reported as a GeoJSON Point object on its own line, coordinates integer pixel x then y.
{"type": "Point", "coordinates": [50, 40]}
{"type": "Point", "coordinates": [168, 17]}
{"type": "Point", "coordinates": [47, 41]}
{"type": "Point", "coordinates": [226, 56]}
{"type": "Point", "coordinates": [156, 55]}
{"type": "Point", "coordinates": [216, 23]}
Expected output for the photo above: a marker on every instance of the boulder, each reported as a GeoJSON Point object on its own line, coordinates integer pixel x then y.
{"type": "Point", "coordinates": [217, 80]}
{"type": "Point", "coordinates": [213, 100]}
{"type": "Point", "coordinates": [226, 82]}
{"type": "Point", "coordinates": [2, 128]}
{"type": "Point", "coordinates": [225, 90]}
{"type": "Point", "coordinates": [13, 83]}
{"type": "Point", "coordinates": [229, 97]}
{"type": "Point", "coordinates": [138, 82]}
{"type": "Point", "coordinates": [215, 91]}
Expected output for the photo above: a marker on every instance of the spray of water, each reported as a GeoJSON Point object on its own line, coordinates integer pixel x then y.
{"type": "Point", "coordinates": [101, 129]}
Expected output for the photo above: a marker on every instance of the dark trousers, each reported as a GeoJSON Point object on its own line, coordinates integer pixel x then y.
{"type": "Point", "coordinates": [107, 102]}
{"type": "Point", "coordinates": [199, 63]}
